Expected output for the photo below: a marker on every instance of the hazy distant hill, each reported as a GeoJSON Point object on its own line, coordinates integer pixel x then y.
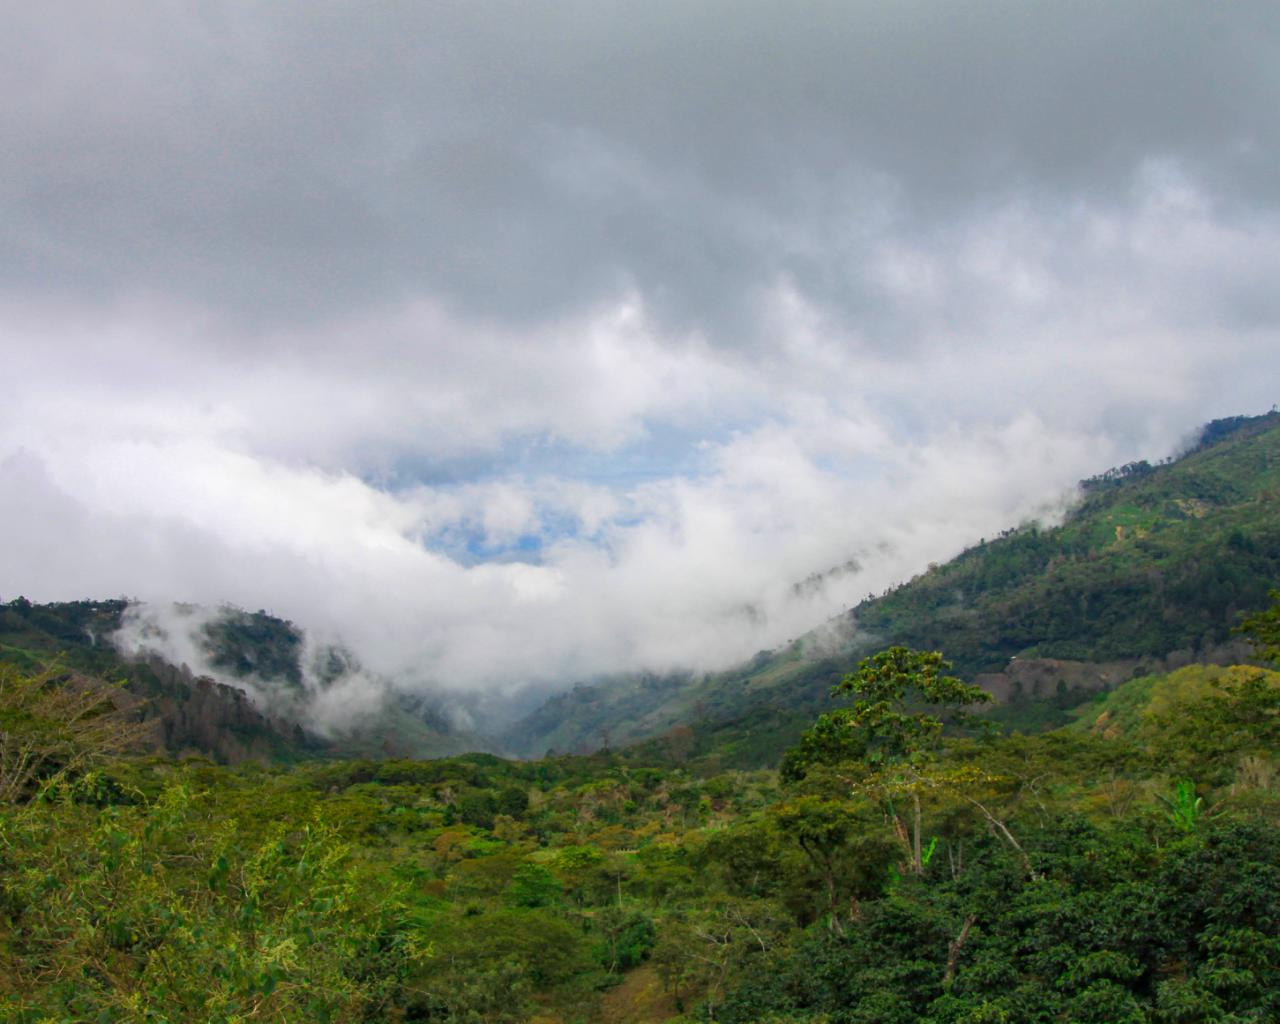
{"type": "Point", "coordinates": [1150, 570]}
{"type": "Point", "coordinates": [263, 717]}
{"type": "Point", "coordinates": [190, 714]}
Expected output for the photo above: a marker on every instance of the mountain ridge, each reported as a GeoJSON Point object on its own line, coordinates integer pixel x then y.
{"type": "Point", "coordinates": [1147, 572]}
{"type": "Point", "coordinates": [1151, 567]}
{"type": "Point", "coordinates": [257, 710]}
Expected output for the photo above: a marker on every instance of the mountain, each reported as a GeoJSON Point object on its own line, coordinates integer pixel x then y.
{"type": "Point", "coordinates": [1149, 570]}
{"type": "Point", "coordinates": [262, 704]}
{"type": "Point", "coordinates": [189, 713]}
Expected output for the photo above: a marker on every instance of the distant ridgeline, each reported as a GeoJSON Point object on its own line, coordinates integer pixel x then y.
{"type": "Point", "coordinates": [1150, 571]}
{"type": "Point", "coordinates": [190, 714]}
{"type": "Point", "coordinates": [262, 718]}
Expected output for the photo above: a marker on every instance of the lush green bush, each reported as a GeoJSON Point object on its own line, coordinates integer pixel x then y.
{"type": "Point", "coordinates": [1124, 869]}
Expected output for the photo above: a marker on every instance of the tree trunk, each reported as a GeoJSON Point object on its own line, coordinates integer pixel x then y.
{"type": "Point", "coordinates": [836, 926]}
{"type": "Point", "coordinates": [917, 860]}
{"type": "Point", "coordinates": [953, 954]}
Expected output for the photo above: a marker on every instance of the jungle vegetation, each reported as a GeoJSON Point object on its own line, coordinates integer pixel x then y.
{"type": "Point", "coordinates": [853, 838]}
{"type": "Point", "coordinates": [1148, 560]}
{"type": "Point", "coordinates": [906, 865]}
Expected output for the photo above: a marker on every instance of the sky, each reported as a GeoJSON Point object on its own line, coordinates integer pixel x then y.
{"type": "Point", "coordinates": [519, 344]}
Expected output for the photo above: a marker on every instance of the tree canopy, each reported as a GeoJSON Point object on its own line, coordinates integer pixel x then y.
{"type": "Point", "coordinates": [901, 701]}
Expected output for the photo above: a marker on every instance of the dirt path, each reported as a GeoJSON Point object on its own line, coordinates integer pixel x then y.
{"type": "Point", "coordinates": [638, 1000]}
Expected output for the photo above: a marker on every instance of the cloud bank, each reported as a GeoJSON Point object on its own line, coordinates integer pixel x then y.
{"type": "Point", "coordinates": [515, 346]}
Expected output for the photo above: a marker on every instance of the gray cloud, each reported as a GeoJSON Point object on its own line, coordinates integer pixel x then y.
{"type": "Point", "coordinates": [520, 160]}
{"type": "Point", "coordinates": [520, 343]}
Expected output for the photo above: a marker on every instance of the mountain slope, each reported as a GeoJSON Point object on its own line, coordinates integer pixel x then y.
{"type": "Point", "coordinates": [1154, 559]}
{"type": "Point", "coordinates": [190, 714]}
{"type": "Point", "coordinates": [261, 710]}
{"type": "Point", "coordinates": [1151, 569]}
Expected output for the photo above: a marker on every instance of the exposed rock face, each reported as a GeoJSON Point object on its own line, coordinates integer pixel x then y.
{"type": "Point", "coordinates": [1045, 678]}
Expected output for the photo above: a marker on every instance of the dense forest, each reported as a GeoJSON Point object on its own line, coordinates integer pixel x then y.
{"type": "Point", "coordinates": [907, 864]}
{"type": "Point", "coordinates": [873, 841]}
{"type": "Point", "coordinates": [1150, 568]}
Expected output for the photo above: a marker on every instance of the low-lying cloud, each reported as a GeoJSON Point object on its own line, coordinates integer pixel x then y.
{"type": "Point", "coordinates": [513, 351]}
{"type": "Point", "coordinates": [333, 694]}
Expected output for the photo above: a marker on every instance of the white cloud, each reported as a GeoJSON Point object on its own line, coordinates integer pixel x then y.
{"type": "Point", "coordinates": [245, 478]}
{"type": "Point", "coordinates": [670, 572]}
{"type": "Point", "coordinates": [520, 376]}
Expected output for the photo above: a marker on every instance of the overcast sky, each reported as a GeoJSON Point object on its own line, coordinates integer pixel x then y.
{"type": "Point", "coordinates": [521, 342]}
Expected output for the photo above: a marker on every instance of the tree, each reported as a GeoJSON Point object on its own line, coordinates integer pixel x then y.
{"type": "Point", "coordinates": [892, 732]}
{"type": "Point", "coordinates": [533, 885]}
{"type": "Point", "coordinates": [822, 828]}
{"type": "Point", "coordinates": [901, 700]}
{"type": "Point", "coordinates": [53, 729]}
{"type": "Point", "coordinates": [1263, 630]}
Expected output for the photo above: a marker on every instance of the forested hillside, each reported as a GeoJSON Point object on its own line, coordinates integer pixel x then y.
{"type": "Point", "coordinates": [259, 713]}
{"type": "Point", "coordinates": [912, 861]}
{"type": "Point", "coordinates": [1153, 559]}
{"type": "Point", "coordinates": [1150, 569]}
{"type": "Point", "coordinates": [185, 713]}
{"type": "Point", "coordinates": [1123, 869]}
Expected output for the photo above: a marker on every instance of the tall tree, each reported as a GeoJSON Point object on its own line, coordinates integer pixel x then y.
{"type": "Point", "coordinates": [891, 734]}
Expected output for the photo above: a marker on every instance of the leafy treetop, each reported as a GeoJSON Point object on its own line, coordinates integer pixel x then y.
{"type": "Point", "coordinates": [1263, 630]}
{"type": "Point", "coordinates": [900, 700]}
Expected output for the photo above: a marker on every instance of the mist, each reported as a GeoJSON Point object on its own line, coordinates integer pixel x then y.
{"type": "Point", "coordinates": [517, 349]}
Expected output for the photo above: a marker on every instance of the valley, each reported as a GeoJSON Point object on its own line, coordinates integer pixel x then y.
{"type": "Point", "coordinates": [1098, 841]}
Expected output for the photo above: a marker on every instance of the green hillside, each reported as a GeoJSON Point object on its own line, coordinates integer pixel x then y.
{"type": "Point", "coordinates": [187, 714]}
{"type": "Point", "coordinates": [1153, 560]}
{"type": "Point", "coordinates": [1125, 870]}
{"type": "Point", "coordinates": [190, 714]}
{"type": "Point", "coordinates": [1210, 719]}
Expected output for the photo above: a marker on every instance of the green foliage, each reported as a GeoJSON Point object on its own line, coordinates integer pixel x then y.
{"type": "Point", "coordinates": [887, 687]}
{"type": "Point", "coordinates": [160, 910]}
{"type": "Point", "coordinates": [1115, 932]}
{"type": "Point", "coordinates": [912, 873]}
{"type": "Point", "coordinates": [533, 885]}
{"type": "Point", "coordinates": [1205, 720]}
{"type": "Point", "coordinates": [833, 739]}
{"type": "Point", "coordinates": [340, 892]}
{"type": "Point", "coordinates": [900, 698]}
{"type": "Point", "coordinates": [1263, 630]}
{"type": "Point", "coordinates": [1184, 807]}
{"type": "Point", "coordinates": [52, 730]}
{"type": "Point", "coordinates": [254, 645]}
{"type": "Point", "coordinates": [626, 938]}
{"type": "Point", "coordinates": [512, 801]}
